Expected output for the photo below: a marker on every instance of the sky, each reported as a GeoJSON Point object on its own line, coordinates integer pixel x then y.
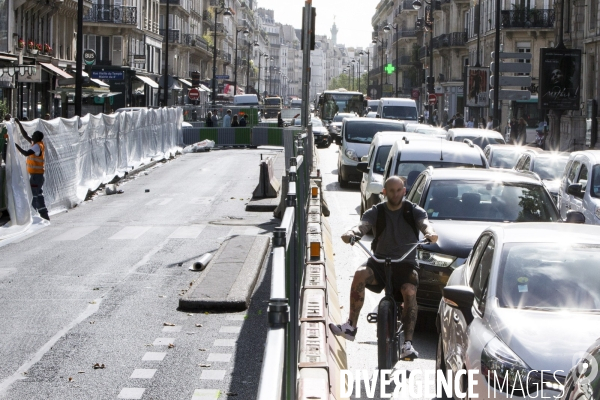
{"type": "Point", "coordinates": [352, 17]}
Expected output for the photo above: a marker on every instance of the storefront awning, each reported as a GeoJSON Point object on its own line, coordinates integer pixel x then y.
{"type": "Point", "coordinates": [55, 70]}
{"type": "Point", "coordinates": [147, 81]}
{"type": "Point", "coordinates": [6, 57]}
{"type": "Point", "coordinates": [185, 82]}
{"type": "Point", "coordinates": [99, 83]}
{"type": "Point", "coordinates": [86, 92]}
{"type": "Point", "coordinates": [204, 88]}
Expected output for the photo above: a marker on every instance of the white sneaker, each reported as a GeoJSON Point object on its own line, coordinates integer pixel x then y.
{"type": "Point", "coordinates": [408, 352]}
{"type": "Point", "coordinates": [346, 330]}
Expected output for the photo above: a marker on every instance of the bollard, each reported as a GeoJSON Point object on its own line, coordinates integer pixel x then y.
{"type": "Point", "coordinates": [202, 262]}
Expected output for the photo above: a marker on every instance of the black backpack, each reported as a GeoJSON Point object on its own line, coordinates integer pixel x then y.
{"type": "Point", "coordinates": [407, 214]}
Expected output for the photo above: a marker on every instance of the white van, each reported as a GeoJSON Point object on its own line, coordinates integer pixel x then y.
{"type": "Point", "coordinates": [245, 100]}
{"type": "Point", "coordinates": [397, 108]}
{"type": "Point", "coordinates": [580, 186]}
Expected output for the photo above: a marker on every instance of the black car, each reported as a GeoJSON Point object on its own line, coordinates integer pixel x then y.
{"type": "Point", "coordinates": [583, 381]}
{"type": "Point", "coordinates": [460, 204]}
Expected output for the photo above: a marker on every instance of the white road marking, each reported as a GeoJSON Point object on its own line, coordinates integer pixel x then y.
{"type": "Point", "coordinates": [213, 375]}
{"type": "Point", "coordinates": [187, 232]}
{"type": "Point", "coordinates": [153, 356]}
{"type": "Point", "coordinates": [224, 343]}
{"type": "Point", "coordinates": [131, 393]}
{"type": "Point", "coordinates": [163, 341]}
{"type": "Point", "coordinates": [236, 317]}
{"type": "Point", "coordinates": [143, 374]}
{"type": "Point", "coordinates": [230, 329]}
{"type": "Point", "coordinates": [151, 202]}
{"type": "Point", "coordinates": [76, 233]}
{"type": "Point", "coordinates": [130, 232]}
{"type": "Point", "coordinates": [165, 202]}
{"type": "Point", "coordinates": [244, 230]}
{"type": "Point", "coordinates": [219, 357]}
{"type": "Point", "coordinates": [172, 329]}
{"type": "Point", "coordinates": [206, 394]}
{"type": "Point", "coordinates": [201, 200]}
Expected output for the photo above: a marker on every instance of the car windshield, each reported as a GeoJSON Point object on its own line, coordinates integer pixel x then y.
{"type": "Point", "coordinates": [409, 170]}
{"type": "Point", "coordinates": [489, 201]}
{"type": "Point", "coordinates": [595, 191]}
{"type": "Point", "coordinates": [380, 159]}
{"type": "Point", "coordinates": [549, 276]}
{"type": "Point", "coordinates": [363, 131]}
{"type": "Point", "coordinates": [480, 141]}
{"type": "Point", "coordinates": [316, 122]}
{"type": "Point", "coordinates": [550, 168]}
{"type": "Point", "coordinates": [340, 117]}
{"type": "Point", "coordinates": [400, 112]}
{"type": "Point", "coordinates": [272, 101]}
{"type": "Point", "coordinates": [504, 158]}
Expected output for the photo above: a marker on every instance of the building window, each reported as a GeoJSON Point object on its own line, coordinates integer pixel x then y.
{"type": "Point", "coordinates": [524, 48]}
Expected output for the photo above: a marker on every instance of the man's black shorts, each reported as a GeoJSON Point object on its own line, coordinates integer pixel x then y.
{"type": "Point", "coordinates": [401, 273]}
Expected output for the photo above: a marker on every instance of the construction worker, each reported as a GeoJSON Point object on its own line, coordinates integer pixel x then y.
{"type": "Point", "coordinates": [35, 168]}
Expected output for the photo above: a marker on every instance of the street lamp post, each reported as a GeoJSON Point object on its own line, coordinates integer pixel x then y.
{"type": "Point", "coordinates": [368, 53]}
{"type": "Point", "coordinates": [430, 79]}
{"type": "Point", "coordinates": [382, 43]}
{"type": "Point", "coordinates": [388, 28]}
{"type": "Point", "coordinates": [220, 9]}
{"type": "Point", "coordinates": [260, 55]}
{"type": "Point", "coordinates": [237, 32]}
{"type": "Point", "coordinates": [353, 72]}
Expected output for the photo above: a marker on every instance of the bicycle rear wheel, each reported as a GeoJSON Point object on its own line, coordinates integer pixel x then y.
{"type": "Point", "coordinates": [386, 328]}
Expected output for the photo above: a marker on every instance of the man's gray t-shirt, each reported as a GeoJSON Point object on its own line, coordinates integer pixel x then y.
{"type": "Point", "coordinates": [398, 236]}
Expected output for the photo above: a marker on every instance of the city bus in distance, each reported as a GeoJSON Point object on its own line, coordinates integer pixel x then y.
{"type": "Point", "coordinates": [342, 101]}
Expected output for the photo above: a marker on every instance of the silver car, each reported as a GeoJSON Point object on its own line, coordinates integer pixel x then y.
{"type": "Point", "coordinates": [522, 309]}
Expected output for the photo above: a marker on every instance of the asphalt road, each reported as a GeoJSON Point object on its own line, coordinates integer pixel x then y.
{"type": "Point", "coordinates": [101, 285]}
{"type": "Point", "coordinates": [362, 353]}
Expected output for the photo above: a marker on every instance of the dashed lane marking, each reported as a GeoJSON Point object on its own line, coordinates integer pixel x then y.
{"type": "Point", "coordinates": [224, 343]}
{"type": "Point", "coordinates": [187, 232]}
{"type": "Point", "coordinates": [219, 357]}
{"type": "Point", "coordinates": [75, 233]}
{"type": "Point", "coordinates": [143, 374]}
{"type": "Point", "coordinates": [165, 202]}
{"type": "Point", "coordinates": [213, 375]}
{"type": "Point", "coordinates": [230, 329]}
{"type": "Point", "coordinates": [130, 232]}
{"type": "Point", "coordinates": [151, 202]}
{"type": "Point", "coordinates": [153, 356]}
{"type": "Point", "coordinates": [131, 393]}
{"type": "Point", "coordinates": [172, 329]}
{"type": "Point", "coordinates": [163, 341]}
{"type": "Point", "coordinates": [206, 394]}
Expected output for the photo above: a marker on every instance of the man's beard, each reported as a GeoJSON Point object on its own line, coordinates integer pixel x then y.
{"type": "Point", "coordinates": [396, 204]}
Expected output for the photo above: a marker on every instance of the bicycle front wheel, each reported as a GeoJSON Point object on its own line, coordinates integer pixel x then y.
{"type": "Point", "coordinates": [385, 335]}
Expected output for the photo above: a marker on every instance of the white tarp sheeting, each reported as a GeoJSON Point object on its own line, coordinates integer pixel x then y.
{"type": "Point", "coordinates": [84, 153]}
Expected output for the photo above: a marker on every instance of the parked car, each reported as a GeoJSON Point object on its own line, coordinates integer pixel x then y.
{"type": "Point", "coordinates": [521, 307]}
{"type": "Point", "coordinates": [480, 137]}
{"type": "Point", "coordinates": [504, 156]}
{"type": "Point", "coordinates": [373, 164]}
{"type": "Point", "coordinates": [580, 186]}
{"type": "Point", "coordinates": [548, 165]}
{"type": "Point", "coordinates": [335, 127]}
{"type": "Point", "coordinates": [439, 133]}
{"type": "Point", "coordinates": [397, 108]}
{"type": "Point", "coordinates": [320, 133]}
{"type": "Point", "coordinates": [357, 134]}
{"type": "Point", "coordinates": [460, 204]}
{"type": "Point", "coordinates": [583, 381]}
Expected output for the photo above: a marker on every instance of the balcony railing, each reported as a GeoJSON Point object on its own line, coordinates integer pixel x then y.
{"type": "Point", "coordinates": [174, 35]}
{"type": "Point", "coordinates": [533, 18]}
{"type": "Point", "coordinates": [403, 60]}
{"type": "Point", "coordinates": [454, 39]}
{"type": "Point", "coordinates": [112, 14]}
{"type": "Point", "coordinates": [423, 52]}
{"type": "Point", "coordinates": [405, 34]}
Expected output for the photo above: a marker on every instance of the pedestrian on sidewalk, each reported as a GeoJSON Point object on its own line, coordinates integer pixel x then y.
{"type": "Point", "coordinates": [522, 132]}
{"type": "Point", "coordinates": [490, 123]}
{"type": "Point", "coordinates": [227, 120]}
{"type": "Point", "coordinates": [215, 119]}
{"type": "Point", "coordinates": [208, 123]}
{"type": "Point", "coordinates": [279, 120]}
{"type": "Point", "coordinates": [235, 122]}
{"type": "Point", "coordinates": [243, 121]}
{"type": "Point", "coordinates": [35, 168]}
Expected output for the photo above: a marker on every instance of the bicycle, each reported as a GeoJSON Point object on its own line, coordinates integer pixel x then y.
{"type": "Point", "coordinates": [390, 333]}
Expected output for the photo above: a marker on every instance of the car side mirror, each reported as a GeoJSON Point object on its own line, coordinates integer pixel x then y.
{"type": "Point", "coordinates": [363, 167]}
{"type": "Point", "coordinates": [575, 189]}
{"type": "Point", "coordinates": [364, 158]}
{"type": "Point", "coordinates": [575, 217]}
{"type": "Point", "coordinates": [461, 298]}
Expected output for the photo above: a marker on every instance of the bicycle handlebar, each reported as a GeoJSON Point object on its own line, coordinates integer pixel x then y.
{"type": "Point", "coordinates": [356, 239]}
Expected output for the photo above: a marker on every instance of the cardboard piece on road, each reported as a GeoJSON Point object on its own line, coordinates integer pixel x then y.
{"type": "Point", "coordinates": [228, 281]}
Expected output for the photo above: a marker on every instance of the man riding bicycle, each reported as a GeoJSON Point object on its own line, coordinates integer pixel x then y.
{"type": "Point", "coordinates": [395, 225]}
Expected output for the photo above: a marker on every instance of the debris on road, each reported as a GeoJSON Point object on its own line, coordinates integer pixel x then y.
{"type": "Point", "coordinates": [168, 324]}
{"type": "Point", "coordinates": [98, 366]}
{"type": "Point", "coordinates": [171, 345]}
{"type": "Point", "coordinates": [202, 146]}
{"type": "Point", "coordinates": [204, 365]}
{"type": "Point", "coordinates": [198, 325]}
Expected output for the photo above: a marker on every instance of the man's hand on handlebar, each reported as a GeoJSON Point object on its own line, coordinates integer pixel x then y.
{"type": "Point", "coordinates": [433, 237]}
{"type": "Point", "coordinates": [349, 236]}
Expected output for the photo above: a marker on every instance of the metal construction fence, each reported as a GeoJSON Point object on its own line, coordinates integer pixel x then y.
{"type": "Point", "coordinates": [280, 361]}
{"type": "Point", "coordinates": [256, 136]}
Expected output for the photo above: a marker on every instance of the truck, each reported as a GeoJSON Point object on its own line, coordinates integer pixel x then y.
{"type": "Point", "coordinates": [272, 106]}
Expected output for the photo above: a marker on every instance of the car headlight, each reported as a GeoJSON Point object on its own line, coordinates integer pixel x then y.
{"type": "Point", "coordinates": [351, 154]}
{"type": "Point", "coordinates": [435, 259]}
{"type": "Point", "coordinates": [507, 373]}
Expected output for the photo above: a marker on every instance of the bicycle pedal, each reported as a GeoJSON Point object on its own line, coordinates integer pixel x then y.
{"type": "Point", "coordinates": [372, 318]}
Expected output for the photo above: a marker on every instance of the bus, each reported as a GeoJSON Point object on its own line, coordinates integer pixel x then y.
{"type": "Point", "coordinates": [340, 100]}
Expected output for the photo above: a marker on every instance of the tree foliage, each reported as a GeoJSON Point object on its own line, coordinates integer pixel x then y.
{"type": "Point", "coordinates": [345, 81]}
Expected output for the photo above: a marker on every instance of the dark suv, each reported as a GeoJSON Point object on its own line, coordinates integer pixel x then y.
{"type": "Point", "coordinates": [461, 203]}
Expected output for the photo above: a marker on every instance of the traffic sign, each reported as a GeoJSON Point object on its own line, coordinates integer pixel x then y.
{"type": "Point", "coordinates": [221, 76]}
{"type": "Point", "coordinates": [194, 94]}
{"type": "Point", "coordinates": [432, 98]}
{"type": "Point", "coordinates": [89, 57]}
{"type": "Point", "coordinates": [415, 94]}
{"type": "Point", "coordinates": [506, 94]}
{"type": "Point", "coordinates": [513, 67]}
{"type": "Point", "coordinates": [521, 81]}
{"type": "Point", "coordinates": [389, 68]}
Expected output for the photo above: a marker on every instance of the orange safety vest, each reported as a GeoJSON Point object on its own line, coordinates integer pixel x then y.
{"type": "Point", "coordinates": [35, 164]}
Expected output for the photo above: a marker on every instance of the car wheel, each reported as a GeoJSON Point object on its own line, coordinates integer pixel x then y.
{"type": "Point", "coordinates": [440, 364]}
{"type": "Point", "coordinates": [343, 183]}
